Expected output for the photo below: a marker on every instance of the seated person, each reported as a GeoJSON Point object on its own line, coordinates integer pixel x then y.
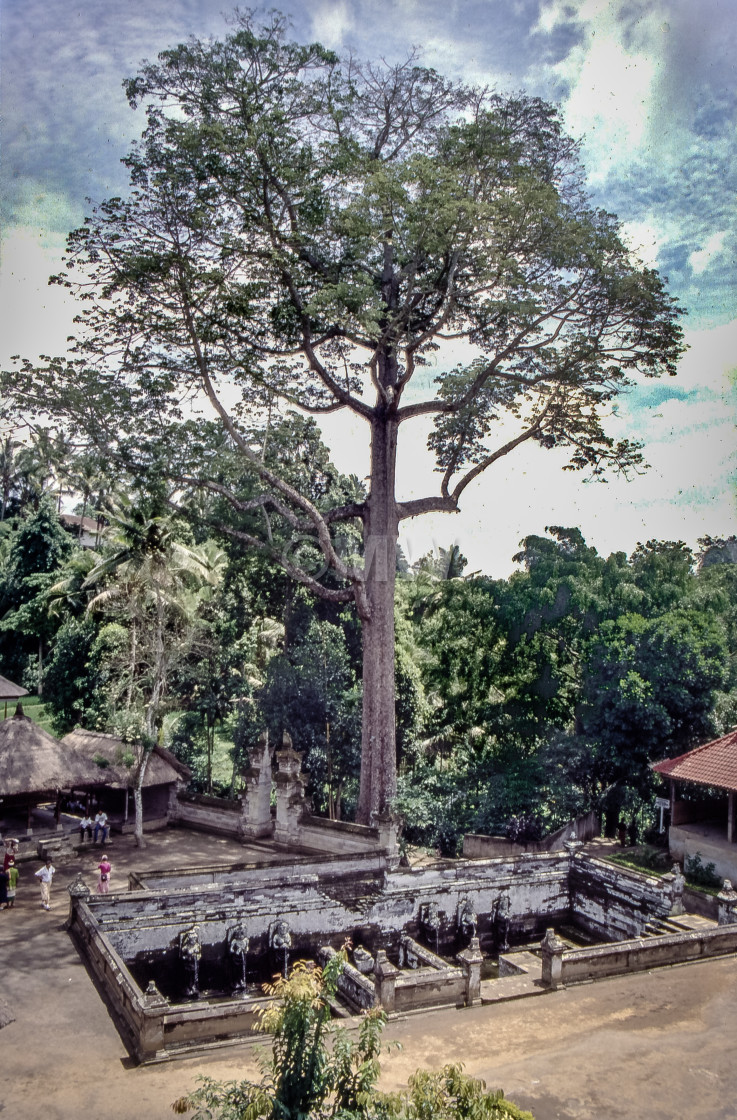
{"type": "Point", "coordinates": [101, 825]}
{"type": "Point", "coordinates": [85, 827]}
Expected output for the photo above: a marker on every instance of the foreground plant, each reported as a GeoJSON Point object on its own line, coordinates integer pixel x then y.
{"type": "Point", "coordinates": [319, 1072]}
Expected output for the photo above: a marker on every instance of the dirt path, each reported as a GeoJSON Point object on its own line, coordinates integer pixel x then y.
{"type": "Point", "coordinates": [660, 1045]}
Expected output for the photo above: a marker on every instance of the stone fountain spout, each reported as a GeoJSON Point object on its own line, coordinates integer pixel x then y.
{"type": "Point", "coordinates": [467, 920]}
{"type": "Point", "coordinates": [237, 944]}
{"type": "Point", "coordinates": [430, 922]}
{"type": "Point", "coordinates": [280, 941]}
{"type": "Point", "coordinates": [190, 953]}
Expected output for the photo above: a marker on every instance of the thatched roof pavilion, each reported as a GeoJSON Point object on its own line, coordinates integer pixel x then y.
{"type": "Point", "coordinates": [113, 759]}
{"type": "Point", "coordinates": [33, 762]}
{"type": "Point", "coordinates": [10, 691]}
{"type": "Point", "coordinates": [35, 767]}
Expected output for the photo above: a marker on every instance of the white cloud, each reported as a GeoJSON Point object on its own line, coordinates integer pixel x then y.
{"type": "Point", "coordinates": [36, 318]}
{"type": "Point", "coordinates": [551, 15]}
{"type": "Point", "coordinates": [700, 259]}
{"type": "Point", "coordinates": [644, 238]}
{"type": "Point", "coordinates": [610, 74]}
{"type": "Point", "coordinates": [331, 21]}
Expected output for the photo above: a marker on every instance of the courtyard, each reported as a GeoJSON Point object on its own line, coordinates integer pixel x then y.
{"type": "Point", "coordinates": [659, 1044]}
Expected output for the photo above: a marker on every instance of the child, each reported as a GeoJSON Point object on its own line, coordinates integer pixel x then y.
{"type": "Point", "coordinates": [13, 876]}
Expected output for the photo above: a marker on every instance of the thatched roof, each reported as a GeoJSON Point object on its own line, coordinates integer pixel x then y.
{"type": "Point", "coordinates": [10, 691]}
{"type": "Point", "coordinates": [111, 756]}
{"type": "Point", "coordinates": [33, 761]}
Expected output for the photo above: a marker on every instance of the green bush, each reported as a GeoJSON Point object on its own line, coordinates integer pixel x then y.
{"type": "Point", "coordinates": [701, 874]}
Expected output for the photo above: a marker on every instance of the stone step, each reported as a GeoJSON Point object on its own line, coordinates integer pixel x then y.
{"type": "Point", "coordinates": [658, 927]}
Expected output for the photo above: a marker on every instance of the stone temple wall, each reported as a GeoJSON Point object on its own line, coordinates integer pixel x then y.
{"type": "Point", "coordinates": [323, 903]}
{"type": "Point", "coordinates": [453, 910]}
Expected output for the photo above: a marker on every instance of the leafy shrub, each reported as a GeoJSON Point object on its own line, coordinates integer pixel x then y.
{"type": "Point", "coordinates": [523, 829]}
{"type": "Point", "coordinates": [701, 874]}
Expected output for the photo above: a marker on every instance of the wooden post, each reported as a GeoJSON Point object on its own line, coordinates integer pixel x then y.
{"type": "Point", "coordinates": [730, 817]}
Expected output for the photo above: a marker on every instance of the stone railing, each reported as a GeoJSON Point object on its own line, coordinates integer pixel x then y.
{"type": "Point", "coordinates": [477, 846]}
{"type": "Point", "coordinates": [563, 966]}
{"type": "Point", "coordinates": [211, 814]}
{"type": "Point", "coordinates": [357, 989]}
{"type": "Point", "coordinates": [431, 981]}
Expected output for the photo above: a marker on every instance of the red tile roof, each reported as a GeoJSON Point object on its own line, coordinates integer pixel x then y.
{"type": "Point", "coordinates": [713, 764]}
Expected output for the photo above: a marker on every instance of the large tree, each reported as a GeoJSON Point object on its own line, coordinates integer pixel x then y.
{"type": "Point", "coordinates": [318, 231]}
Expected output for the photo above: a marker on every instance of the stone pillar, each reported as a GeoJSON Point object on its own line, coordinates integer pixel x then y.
{"type": "Point", "coordinates": [172, 807]}
{"type": "Point", "coordinates": [470, 960]}
{"type": "Point", "coordinates": [388, 825]}
{"type": "Point", "coordinates": [552, 950]}
{"type": "Point", "coordinates": [290, 793]}
{"type": "Point", "coordinates": [256, 797]}
{"type": "Point", "coordinates": [78, 891]}
{"type": "Point", "coordinates": [727, 899]}
{"type": "Point", "coordinates": [151, 1035]}
{"type": "Point", "coordinates": [385, 979]}
{"type": "Point", "coordinates": [673, 884]}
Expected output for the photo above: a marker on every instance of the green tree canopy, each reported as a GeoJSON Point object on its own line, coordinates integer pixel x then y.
{"type": "Point", "coordinates": [320, 231]}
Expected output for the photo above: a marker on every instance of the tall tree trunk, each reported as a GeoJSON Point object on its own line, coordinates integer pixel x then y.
{"type": "Point", "coordinates": [132, 666]}
{"type": "Point", "coordinates": [378, 747]}
{"type": "Point", "coordinates": [146, 753]}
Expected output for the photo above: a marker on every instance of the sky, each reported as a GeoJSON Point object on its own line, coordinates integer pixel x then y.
{"type": "Point", "coordinates": [648, 86]}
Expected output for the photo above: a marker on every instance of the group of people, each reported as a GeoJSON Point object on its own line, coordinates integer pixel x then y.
{"type": "Point", "coordinates": [89, 828]}
{"type": "Point", "coordinates": [45, 875]}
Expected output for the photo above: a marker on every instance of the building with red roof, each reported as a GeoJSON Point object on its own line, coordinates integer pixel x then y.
{"type": "Point", "coordinates": [703, 784]}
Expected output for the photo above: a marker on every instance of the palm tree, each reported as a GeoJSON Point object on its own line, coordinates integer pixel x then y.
{"type": "Point", "coordinates": [157, 582]}
{"type": "Point", "coordinates": [9, 471]}
{"type": "Point", "coordinates": [84, 478]}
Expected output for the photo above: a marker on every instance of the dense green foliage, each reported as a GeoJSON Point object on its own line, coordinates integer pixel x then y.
{"type": "Point", "coordinates": [550, 693]}
{"type": "Point", "coordinates": [520, 702]}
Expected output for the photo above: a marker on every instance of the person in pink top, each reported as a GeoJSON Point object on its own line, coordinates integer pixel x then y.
{"type": "Point", "coordinates": [103, 883]}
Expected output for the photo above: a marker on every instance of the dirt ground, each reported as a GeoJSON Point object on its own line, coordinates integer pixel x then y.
{"type": "Point", "coordinates": [659, 1045]}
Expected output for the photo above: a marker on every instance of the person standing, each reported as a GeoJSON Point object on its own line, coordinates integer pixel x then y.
{"type": "Point", "coordinates": [3, 889]}
{"type": "Point", "coordinates": [46, 876]}
{"type": "Point", "coordinates": [103, 882]}
{"type": "Point", "coordinates": [13, 876]}
{"type": "Point", "coordinates": [11, 851]}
